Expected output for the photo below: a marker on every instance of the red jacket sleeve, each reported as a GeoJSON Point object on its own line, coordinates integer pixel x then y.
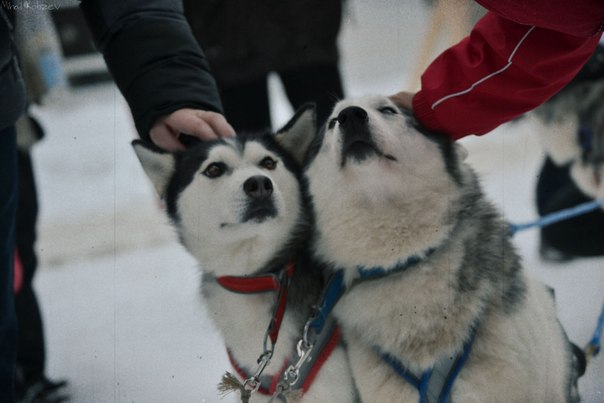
{"type": "Point", "coordinates": [502, 70]}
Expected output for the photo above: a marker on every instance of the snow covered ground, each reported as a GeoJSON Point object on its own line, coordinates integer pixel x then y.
{"type": "Point", "coordinates": [123, 317]}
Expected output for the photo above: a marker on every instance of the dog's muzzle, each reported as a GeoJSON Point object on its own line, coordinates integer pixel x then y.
{"type": "Point", "coordinates": [258, 187]}
{"type": "Point", "coordinates": [260, 204]}
{"type": "Point", "coordinates": [357, 142]}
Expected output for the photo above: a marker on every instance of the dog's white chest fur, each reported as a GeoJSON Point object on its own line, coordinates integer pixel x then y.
{"type": "Point", "coordinates": [243, 320]}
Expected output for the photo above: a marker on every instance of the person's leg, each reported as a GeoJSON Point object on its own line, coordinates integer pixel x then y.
{"type": "Point", "coordinates": [321, 84]}
{"type": "Point", "coordinates": [8, 206]}
{"type": "Point", "coordinates": [246, 105]}
{"type": "Point", "coordinates": [31, 353]}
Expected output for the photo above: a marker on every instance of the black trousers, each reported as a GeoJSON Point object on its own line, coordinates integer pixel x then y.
{"type": "Point", "coordinates": [8, 205]}
{"type": "Point", "coordinates": [247, 107]}
{"type": "Point", "coordinates": [31, 353]}
{"type": "Point", "coordinates": [579, 236]}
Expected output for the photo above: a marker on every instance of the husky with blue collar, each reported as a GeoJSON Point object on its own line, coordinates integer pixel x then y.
{"type": "Point", "coordinates": [434, 303]}
{"type": "Point", "coordinates": [239, 208]}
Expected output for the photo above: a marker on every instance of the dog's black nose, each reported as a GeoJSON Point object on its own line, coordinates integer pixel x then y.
{"type": "Point", "coordinates": [258, 187]}
{"type": "Point", "coordinates": [351, 115]}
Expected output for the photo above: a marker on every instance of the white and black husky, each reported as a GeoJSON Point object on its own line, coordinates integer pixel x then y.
{"type": "Point", "coordinates": [436, 302]}
{"type": "Point", "coordinates": [240, 210]}
{"type": "Point", "coordinates": [573, 131]}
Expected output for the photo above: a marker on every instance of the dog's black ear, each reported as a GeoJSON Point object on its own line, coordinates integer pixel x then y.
{"type": "Point", "coordinates": [157, 164]}
{"type": "Point", "coordinates": [298, 133]}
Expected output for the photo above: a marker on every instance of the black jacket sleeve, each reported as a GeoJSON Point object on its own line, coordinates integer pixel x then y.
{"type": "Point", "coordinates": [153, 57]}
{"type": "Point", "coordinates": [12, 88]}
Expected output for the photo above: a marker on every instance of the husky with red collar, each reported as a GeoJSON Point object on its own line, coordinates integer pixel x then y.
{"type": "Point", "coordinates": [239, 208]}
{"type": "Point", "coordinates": [431, 296]}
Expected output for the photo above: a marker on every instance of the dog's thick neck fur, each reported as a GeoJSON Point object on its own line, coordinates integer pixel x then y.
{"type": "Point", "coordinates": [442, 287]}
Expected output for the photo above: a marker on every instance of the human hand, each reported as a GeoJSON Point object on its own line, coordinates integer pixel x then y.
{"type": "Point", "coordinates": [204, 125]}
{"type": "Point", "coordinates": [404, 99]}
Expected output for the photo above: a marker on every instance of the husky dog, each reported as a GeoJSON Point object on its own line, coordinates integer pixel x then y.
{"type": "Point", "coordinates": [572, 134]}
{"type": "Point", "coordinates": [240, 210]}
{"type": "Point", "coordinates": [392, 199]}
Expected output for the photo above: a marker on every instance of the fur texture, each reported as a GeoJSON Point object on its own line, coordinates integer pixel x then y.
{"type": "Point", "coordinates": [239, 209]}
{"type": "Point", "coordinates": [383, 189]}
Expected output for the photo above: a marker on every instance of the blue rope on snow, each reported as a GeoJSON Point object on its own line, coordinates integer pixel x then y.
{"type": "Point", "coordinates": [557, 216]}
{"type": "Point", "coordinates": [593, 347]}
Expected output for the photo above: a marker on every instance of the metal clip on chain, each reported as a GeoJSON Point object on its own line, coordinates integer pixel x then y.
{"type": "Point", "coordinates": [282, 387]}
{"type": "Point", "coordinates": [292, 373]}
{"type": "Point", "coordinates": [304, 348]}
{"type": "Point", "coordinates": [253, 382]}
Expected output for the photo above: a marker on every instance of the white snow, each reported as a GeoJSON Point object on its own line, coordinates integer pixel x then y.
{"type": "Point", "coordinates": [123, 317]}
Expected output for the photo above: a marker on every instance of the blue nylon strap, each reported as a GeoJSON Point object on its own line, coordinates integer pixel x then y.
{"type": "Point", "coordinates": [335, 287]}
{"type": "Point", "coordinates": [423, 383]}
{"type": "Point", "coordinates": [459, 363]}
{"type": "Point", "coordinates": [378, 272]}
{"type": "Point", "coordinates": [596, 339]}
{"type": "Point", "coordinates": [594, 344]}
{"type": "Point", "coordinates": [558, 216]}
{"type": "Point", "coordinates": [331, 294]}
{"type": "Point", "coordinates": [334, 290]}
{"type": "Point", "coordinates": [400, 369]}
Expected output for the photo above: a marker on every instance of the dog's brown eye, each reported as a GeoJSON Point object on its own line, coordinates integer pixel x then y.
{"type": "Point", "coordinates": [268, 163]}
{"type": "Point", "coordinates": [214, 170]}
{"type": "Point", "coordinates": [388, 110]}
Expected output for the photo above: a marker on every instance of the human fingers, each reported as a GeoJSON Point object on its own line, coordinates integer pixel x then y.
{"type": "Point", "coordinates": [404, 99]}
{"type": "Point", "coordinates": [217, 122]}
{"type": "Point", "coordinates": [190, 122]}
{"type": "Point", "coordinates": [164, 138]}
{"type": "Point", "coordinates": [206, 125]}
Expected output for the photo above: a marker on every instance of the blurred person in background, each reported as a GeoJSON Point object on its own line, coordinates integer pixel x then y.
{"type": "Point", "coordinates": [246, 41]}
{"type": "Point", "coordinates": [12, 104]}
{"type": "Point", "coordinates": [37, 46]}
{"type": "Point", "coordinates": [166, 83]}
{"type": "Point", "coordinates": [31, 383]}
